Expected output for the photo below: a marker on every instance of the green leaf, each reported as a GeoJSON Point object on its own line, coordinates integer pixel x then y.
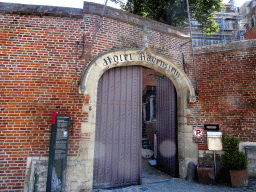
{"type": "Point", "coordinates": [174, 12]}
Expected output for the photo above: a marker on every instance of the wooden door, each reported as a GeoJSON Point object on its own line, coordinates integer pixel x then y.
{"type": "Point", "coordinates": [117, 155]}
{"type": "Point", "coordinates": [166, 126]}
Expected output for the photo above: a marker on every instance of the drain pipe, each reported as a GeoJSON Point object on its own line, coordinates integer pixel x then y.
{"type": "Point", "coordinates": [192, 49]}
{"type": "Point", "coordinates": [183, 56]}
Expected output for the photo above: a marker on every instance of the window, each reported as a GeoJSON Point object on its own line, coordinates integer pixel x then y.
{"type": "Point", "coordinates": [252, 22]}
{"type": "Point", "coordinates": [149, 109]}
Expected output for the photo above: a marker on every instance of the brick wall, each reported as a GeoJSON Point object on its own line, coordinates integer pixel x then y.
{"type": "Point", "coordinates": [149, 77]}
{"type": "Point", "coordinates": [227, 84]}
{"type": "Point", "coordinates": [38, 70]}
{"type": "Point", "coordinates": [250, 32]}
{"type": "Point", "coordinates": [37, 75]}
{"type": "Point", "coordinates": [36, 78]}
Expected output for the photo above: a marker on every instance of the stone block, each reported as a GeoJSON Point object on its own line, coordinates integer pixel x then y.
{"type": "Point", "coordinates": [90, 153]}
{"type": "Point", "coordinates": [181, 153]}
{"type": "Point", "coordinates": [88, 127]}
{"type": "Point", "coordinates": [185, 128]}
{"type": "Point", "coordinates": [88, 162]}
{"type": "Point", "coordinates": [182, 169]}
{"type": "Point", "coordinates": [82, 154]}
{"type": "Point", "coordinates": [191, 153]}
{"type": "Point", "coordinates": [89, 169]}
{"type": "Point", "coordinates": [251, 153]}
{"type": "Point", "coordinates": [72, 162]}
{"type": "Point", "coordinates": [188, 112]}
{"type": "Point", "coordinates": [74, 186]}
{"type": "Point", "coordinates": [182, 120]}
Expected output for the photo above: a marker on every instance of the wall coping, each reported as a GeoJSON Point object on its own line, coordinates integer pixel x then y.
{"type": "Point", "coordinates": [42, 10]}
{"type": "Point", "coordinates": [94, 9]}
{"type": "Point", "coordinates": [117, 14]}
{"type": "Point", "coordinates": [237, 45]}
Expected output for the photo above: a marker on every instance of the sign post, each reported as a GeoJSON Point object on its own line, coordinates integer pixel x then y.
{"type": "Point", "coordinates": [51, 152]}
{"type": "Point", "coordinates": [58, 154]}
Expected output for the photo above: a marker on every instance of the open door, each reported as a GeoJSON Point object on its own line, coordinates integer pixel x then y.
{"type": "Point", "coordinates": [117, 161]}
{"type": "Point", "coordinates": [166, 126]}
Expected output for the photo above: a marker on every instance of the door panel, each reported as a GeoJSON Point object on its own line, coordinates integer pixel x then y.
{"type": "Point", "coordinates": [166, 126]}
{"type": "Point", "coordinates": [118, 128]}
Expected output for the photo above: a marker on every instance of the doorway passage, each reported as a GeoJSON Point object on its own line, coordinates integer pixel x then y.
{"type": "Point", "coordinates": [151, 174]}
{"type": "Point", "coordinates": [118, 139]}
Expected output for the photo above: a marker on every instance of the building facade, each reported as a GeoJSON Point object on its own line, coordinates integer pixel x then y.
{"type": "Point", "coordinates": [250, 18]}
{"type": "Point", "coordinates": [230, 30]}
{"type": "Point", "coordinates": [43, 59]}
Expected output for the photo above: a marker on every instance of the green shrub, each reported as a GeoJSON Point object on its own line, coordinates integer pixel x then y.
{"type": "Point", "coordinates": [230, 142]}
{"type": "Point", "coordinates": [232, 158]}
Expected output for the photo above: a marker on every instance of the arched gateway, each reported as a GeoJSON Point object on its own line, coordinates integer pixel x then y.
{"type": "Point", "coordinates": [187, 150]}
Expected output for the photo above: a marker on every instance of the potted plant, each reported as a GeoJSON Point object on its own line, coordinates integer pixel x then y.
{"type": "Point", "coordinates": [235, 161]}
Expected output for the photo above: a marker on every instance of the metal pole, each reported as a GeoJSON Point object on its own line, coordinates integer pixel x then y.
{"type": "Point", "coordinates": [192, 48]}
{"type": "Point", "coordinates": [215, 167]}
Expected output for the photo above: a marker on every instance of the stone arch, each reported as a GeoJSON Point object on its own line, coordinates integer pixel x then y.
{"type": "Point", "coordinates": [143, 57]}
{"type": "Point", "coordinates": [187, 150]}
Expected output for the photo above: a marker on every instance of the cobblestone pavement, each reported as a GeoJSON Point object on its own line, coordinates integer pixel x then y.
{"type": "Point", "coordinates": [154, 180]}
{"type": "Point", "coordinates": [179, 185]}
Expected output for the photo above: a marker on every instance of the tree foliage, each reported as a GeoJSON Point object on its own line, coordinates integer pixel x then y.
{"type": "Point", "coordinates": [174, 12]}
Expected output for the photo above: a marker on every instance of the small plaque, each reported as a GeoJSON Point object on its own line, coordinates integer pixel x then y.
{"type": "Point", "coordinates": [60, 134]}
{"type": "Point", "coordinates": [61, 145]}
{"type": "Point", "coordinates": [211, 127]}
{"type": "Point", "coordinates": [60, 154]}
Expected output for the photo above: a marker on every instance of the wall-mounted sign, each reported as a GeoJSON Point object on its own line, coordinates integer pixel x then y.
{"type": "Point", "coordinates": [198, 132]}
{"type": "Point", "coordinates": [139, 56]}
{"type": "Point", "coordinates": [57, 164]}
{"type": "Point", "coordinates": [211, 127]}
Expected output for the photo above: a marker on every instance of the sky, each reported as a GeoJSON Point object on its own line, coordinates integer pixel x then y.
{"type": "Point", "coordinates": [61, 3]}
{"type": "Point", "coordinates": [79, 3]}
